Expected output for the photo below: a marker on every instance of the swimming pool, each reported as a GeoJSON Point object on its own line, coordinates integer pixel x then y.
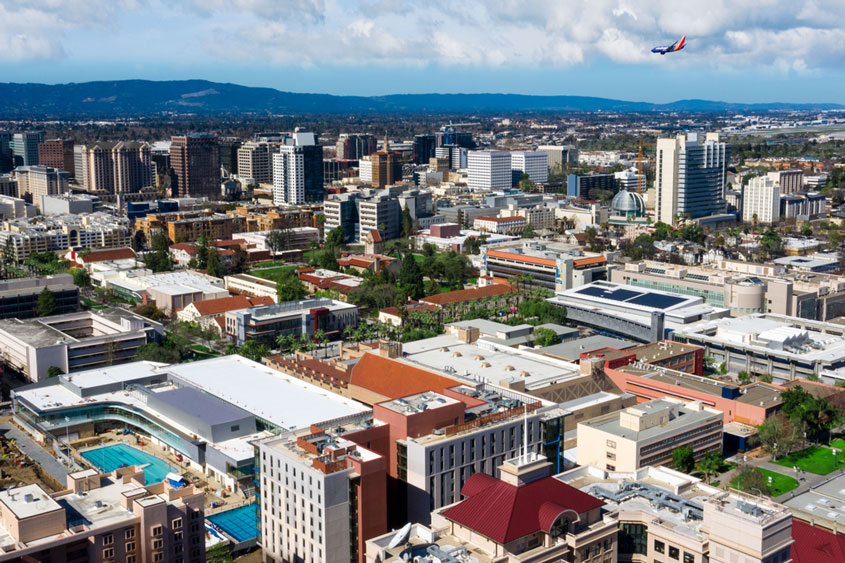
{"type": "Point", "coordinates": [241, 523]}
{"type": "Point", "coordinates": [109, 458]}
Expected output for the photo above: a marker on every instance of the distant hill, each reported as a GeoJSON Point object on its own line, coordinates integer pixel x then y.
{"type": "Point", "coordinates": [145, 97]}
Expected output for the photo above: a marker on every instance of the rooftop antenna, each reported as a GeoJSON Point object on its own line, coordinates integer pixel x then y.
{"type": "Point", "coordinates": [525, 435]}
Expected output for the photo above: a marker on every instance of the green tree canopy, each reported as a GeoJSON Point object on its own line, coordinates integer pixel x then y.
{"type": "Point", "coordinates": [411, 278]}
{"type": "Point", "coordinates": [45, 305]}
{"type": "Point", "coordinates": [683, 459]}
{"type": "Point", "coordinates": [289, 287]}
{"type": "Point", "coordinates": [545, 337]}
{"type": "Point", "coordinates": [54, 371]}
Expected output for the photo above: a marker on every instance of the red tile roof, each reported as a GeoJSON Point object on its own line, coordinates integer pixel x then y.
{"type": "Point", "coordinates": [813, 544]}
{"type": "Point", "coordinates": [504, 512]}
{"type": "Point", "coordinates": [394, 379]}
{"type": "Point", "coordinates": [464, 295]}
{"type": "Point", "coordinates": [223, 304]}
{"type": "Point", "coordinates": [111, 254]}
{"type": "Point", "coordinates": [376, 236]}
{"type": "Point", "coordinates": [188, 247]}
{"type": "Point", "coordinates": [410, 308]}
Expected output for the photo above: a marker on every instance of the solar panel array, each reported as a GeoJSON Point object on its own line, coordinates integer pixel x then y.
{"type": "Point", "coordinates": [653, 300]}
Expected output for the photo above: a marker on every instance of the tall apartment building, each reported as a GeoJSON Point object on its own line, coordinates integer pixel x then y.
{"type": "Point", "coordinates": [342, 211]}
{"type": "Point", "coordinates": [196, 165]}
{"type": "Point", "coordinates": [255, 161]}
{"type": "Point", "coordinates": [691, 177]}
{"type": "Point", "coordinates": [559, 155]}
{"type": "Point", "coordinates": [489, 170]}
{"type": "Point", "coordinates": [228, 151]}
{"type": "Point", "coordinates": [57, 153]}
{"type": "Point", "coordinates": [789, 181]}
{"type": "Point", "coordinates": [41, 234]}
{"type": "Point", "coordinates": [114, 167]}
{"type": "Point", "coordinates": [6, 158]}
{"type": "Point", "coordinates": [354, 146]}
{"type": "Point", "coordinates": [103, 518]}
{"type": "Point", "coordinates": [37, 181]}
{"type": "Point", "coordinates": [387, 166]}
{"type": "Point", "coordinates": [456, 155]}
{"type": "Point", "coordinates": [25, 148]}
{"type": "Point", "coordinates": [761, 201]}
{"type": "Point", "coordinates": [424, 147]}
{"type": "Point", "coordinates": [298, 171]}
{"type": "Point", "coordinates": [379, 213]}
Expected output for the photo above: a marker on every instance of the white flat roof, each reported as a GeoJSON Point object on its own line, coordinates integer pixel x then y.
{"type": "Point", "coordinates": [39, 502]}
{"type": "Point", "coordinates": [111, 374]}
{"type": "Point", "coordinates": [283, 400]}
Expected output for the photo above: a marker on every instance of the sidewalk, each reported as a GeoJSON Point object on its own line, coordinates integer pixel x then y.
{"type": "Point", "coordinates": [38, 454]}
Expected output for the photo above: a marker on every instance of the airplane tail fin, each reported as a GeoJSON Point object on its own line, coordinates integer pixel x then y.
{"type": "Point", "coordinates": [680, 44]}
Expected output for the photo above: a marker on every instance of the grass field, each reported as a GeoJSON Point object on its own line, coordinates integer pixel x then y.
{"type": "Point", "coordinates": [91, 304]}
{"type": "Point", "coordinates": [815, 459]}
{"type": "Point", "coordinates": [780, 483]}
{"type": "Point", "coordinates": [271, 273]}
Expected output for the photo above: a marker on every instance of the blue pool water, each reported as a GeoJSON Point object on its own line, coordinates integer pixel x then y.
{"type": "Point", "coordinates": [241, 523]}
{"type": "Point", "coordinates": [109, 458]}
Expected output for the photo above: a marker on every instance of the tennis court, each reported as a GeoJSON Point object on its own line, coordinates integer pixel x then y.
{"type": "Point", "coordinates": [109, 458]}
{"type": "Point", "coordinates": [241, 523]}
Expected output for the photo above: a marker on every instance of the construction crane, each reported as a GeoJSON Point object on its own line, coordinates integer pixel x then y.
{"type": "Point", "coordinates": [640, 175]}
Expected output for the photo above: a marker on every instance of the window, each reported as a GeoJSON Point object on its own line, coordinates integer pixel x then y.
{"type": "Point", "coordinates": [130, 559]}
{"type": "Point", "coordinates": [177, 536]}
{"type": "Point", "coordinates": [159, 556]}
{"type": "Point", "coordinates": [689, 557]}
{"type": "Point", "coordinates": [130, 533]}
{"type": "Point", "coordinates": [108, 553]}
{"type": "Point", "coordinates": [130, 546]}
{"type": "Point", "coordinates": [611, 467]}
{"type": "Point", "coordinates": [633, 539]}
{"type": "Point", "coordinates": [195, 514]}
{"type": "Point", "coordinates": [235, 427]}
{"type": "Point", "coordinates": [611, 455]}
{"type": "Point", "coordinates": [156, 530]}
{"type": "Point", "coordinates": [177, 523]}
{"type": "Point", "coordinates": [674, 552]}
{"type": "Point", "coordinates": [158, 544]}
{"type": "Point", "coordinates": [177, 548]}
{"type": "Point", "coordinates": [108, 539]}
{"type": "Point", "coordinates": [611, 444]}
{"type": "Point", "coordinates": [659, 546]}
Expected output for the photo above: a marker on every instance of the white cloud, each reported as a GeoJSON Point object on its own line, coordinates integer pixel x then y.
{"type": "Point", "coordinates": [722, 34]}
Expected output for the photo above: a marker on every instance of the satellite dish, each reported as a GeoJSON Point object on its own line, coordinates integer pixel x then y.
{"type": "Point", "coordinates": [400, 536]}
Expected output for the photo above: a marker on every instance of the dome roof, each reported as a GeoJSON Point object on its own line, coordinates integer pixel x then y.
{"type": "Point", "coordinates": [628, 203]}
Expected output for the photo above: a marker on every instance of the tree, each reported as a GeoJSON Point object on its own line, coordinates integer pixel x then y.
{"type": "Point", "coordinates": [545, 337]}
{"type": "Point", "coordinates": [46, 303]}
{"type": "Point", "coordinates": [592, 235]}
{"type": "Point", "coordinates": [335, 238]}
{"type": "Point", "coordinates": [683, 459]}
{"type": "Point", "coordinates": [160, 242]}
{"type": "Point", "coordinates": [743, 377]}
{"type": "Point", "coordinates": [771, 243]}
{"type": "Point", "coordinates": [429, 249]}
{"type": "Point", "coordinates": [662, 231]}
{"type": "Point", "coordinates": [289, 287]}
{"type": "Point", "coordinates": [214, 266]}
{"type": "Point", "coordinates": [81, 278]}
{"type": "Point", "coordinates": [277, 241]}
{"type": "Point", "coordinates": [158, 353]}
{"type": "Point", "coordinates": [54, 371]}
{"type": "Point", "coordinates": [202, 254]}
{"type": "Point", "coordinates": [407, 222]}
{"type": "Point", "coordinates": [139, 241]}
{"type": "Point", "coordinates": [772, 434]}
{"type": "Point", "coordinates": [151, 311]}
{"type": "Point", "coordinates": [528, 232]}
{"type": "Point", "coordinates": [710, 465]}
{"type": "Point", "coordinates": [750, 479]}
{"type": "Point", "coordinates": [411, 278]}
{"type": "Point", "coordinates": [807, 229]}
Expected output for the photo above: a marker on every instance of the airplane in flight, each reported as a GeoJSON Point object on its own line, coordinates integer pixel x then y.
{"type": "Point", "coordinates": [676, 46]}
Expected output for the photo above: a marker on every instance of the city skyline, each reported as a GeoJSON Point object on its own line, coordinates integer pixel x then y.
{"type": "Point", "coordinates": [748, 53]}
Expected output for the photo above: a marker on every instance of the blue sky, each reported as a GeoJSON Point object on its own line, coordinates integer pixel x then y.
{"type": "Point", "coordinates": [738, 50]}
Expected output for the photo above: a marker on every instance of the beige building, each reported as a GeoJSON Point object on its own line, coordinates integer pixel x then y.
{"type": "Point", "coordinates": [761, 201]}
{"type": "Point", "coordinates": [255, 161]}
{"type": "Point", "coordinates": [648, 433]}
{"type": "Point", "coordinates": [114, 167]}
{"type": "Point", "coordinates": [38, 181]}
{"type": "Point", "coordinates": [102, 518]}
{"type": "Point", "coordinates": [251, 286]}
{"type": "Point", "coordinates": [789, 181]}
{"type": "Point", "coordinates": [665, 516]}
{"type": "Point", "coordinates": [540, 217]}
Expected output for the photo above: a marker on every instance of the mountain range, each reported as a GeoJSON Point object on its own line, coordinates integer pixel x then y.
{"type": "Point", "coordinates": [146, 97]}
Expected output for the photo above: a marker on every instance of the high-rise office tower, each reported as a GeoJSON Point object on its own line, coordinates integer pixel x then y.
{"type": "Point", "coordinates": [761, 200]}
{"type": "Point", "coordinates": [354, 146]}
{"type": "Point", "coordinates": [25, 148]}
{"type": "Point", "coordinates": [448, 136]}
{"type": "Point", "coordinates": [229, 154]}
{"type": "Point", "coordinates": [196, 165]}
{"type": "Point", "coordinates": [691, 177]}
{"type": "Point", "coordinates": [57, 153]}
{"type": "Point", "coordinates": [5, 152]}
{"type": "Point", "coordinates": [255, 161]}
{"type": "Point", "coordinates": [37, 181]}
{"type": "Point", "coordinates": [298, 171]}
{"type": "Point", "coordinates": [489, 170]}
{"type": "Point", "coordinates": [424, 146]}
{"type": "Point", "coordinates": [533, 163]}
{"type": "Point", "coordinates": [387, 166]}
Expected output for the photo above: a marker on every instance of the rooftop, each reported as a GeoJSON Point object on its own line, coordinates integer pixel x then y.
{"type": "Point", "coordinates": [671, 413]}
{"type": "Point", "coordinates": [464, 295]}
{"type": "Point", "coordinates": [573, 349]}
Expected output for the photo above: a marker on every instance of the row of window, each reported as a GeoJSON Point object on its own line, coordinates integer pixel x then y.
{"type": "Point", "coordinates": [674, 552]}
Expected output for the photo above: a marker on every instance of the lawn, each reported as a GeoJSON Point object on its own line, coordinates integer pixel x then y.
{"type": "Point", "coordinates": [91, 304]}
{"type": "Point", "coordinates": [780, 483]}
{"type": "Point", "coordinates": [839, 444]}
{"type": "Point", "coordinates": [271, 273]}
{"type": "Point", "coordinates": [815, 459]}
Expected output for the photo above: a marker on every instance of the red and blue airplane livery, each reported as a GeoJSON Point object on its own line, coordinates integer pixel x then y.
{"type": "Point", "coordinates": [676, 46]}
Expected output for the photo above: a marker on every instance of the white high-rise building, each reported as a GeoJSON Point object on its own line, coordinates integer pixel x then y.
{"type": "Point", "coordinates": [761, 200]}
{"type": "Point", "coordinates": [288, 176]}
{"type": "Point", "coordinates": [365, 170]}
{"type": "Point", "coordinates": [489, 170]}
{"type": "Point", "coordinates": [691, 177]}
{"type": "Point", "coordinates": [533, 163]}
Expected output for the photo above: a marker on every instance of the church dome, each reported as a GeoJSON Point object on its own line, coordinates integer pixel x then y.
{"type": "Point", "coordinates": [628, 204]}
